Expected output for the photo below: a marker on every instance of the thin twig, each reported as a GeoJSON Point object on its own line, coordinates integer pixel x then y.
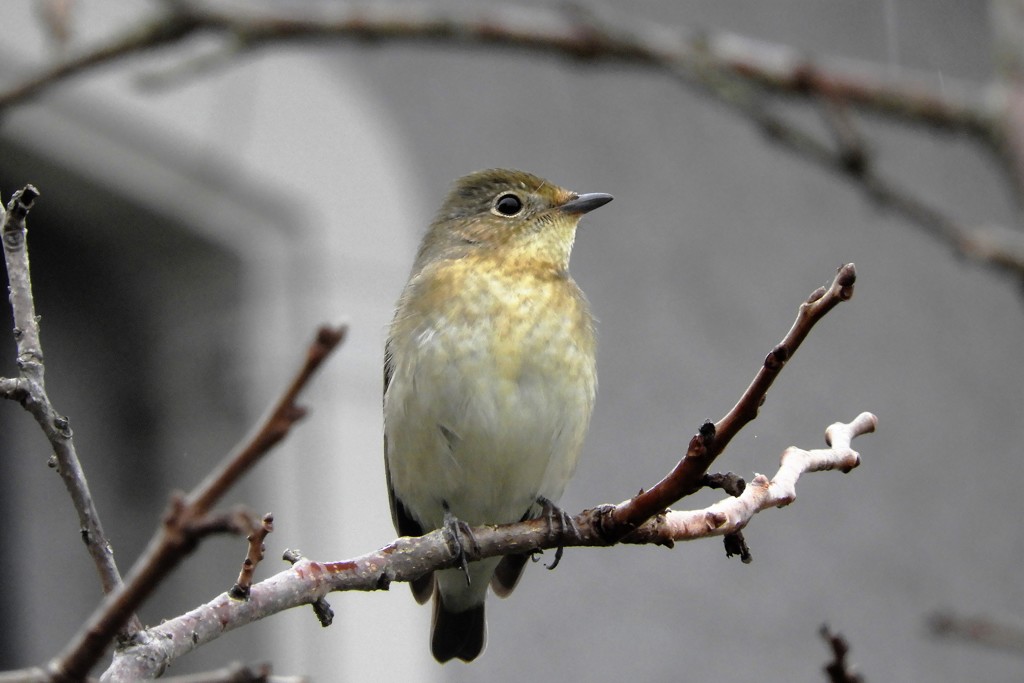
{"type": "Point", "coordinates": [274, 428]}
{"type": "Point", "coordinates": [850, 159]}
{"type": "Point", "coordinates": [711, 441]}
{"type": "Point", "coordinates": [732, 69]}
{"type": "Point", "coordinates": [838, 669]}
{"type": "Point", "coordinates": [702, 54]}
{"type": "Point", "coordinates": [30, 391]}
{"type": "Point", "coordinates": [1000, 249]}
{"type": "Point", "coordinates": [978, 630]}
{"type": "Point", "coordinates": [852, 148]}
{"type": "Point", "coordinates": [145, 36]}
{"type": "Point", "coordinates": [732, 514]}
{"type": "Point", "coordinates": [253, 556]}
{"type": "Point", "coordinates": [183, 523]}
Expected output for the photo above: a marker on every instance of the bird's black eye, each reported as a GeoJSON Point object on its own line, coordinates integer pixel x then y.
{"type": "Point", "coordinates": [508, 205]}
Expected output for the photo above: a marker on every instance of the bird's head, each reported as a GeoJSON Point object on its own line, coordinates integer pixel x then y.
{"type": "Point", "coordinates": [509, 215]}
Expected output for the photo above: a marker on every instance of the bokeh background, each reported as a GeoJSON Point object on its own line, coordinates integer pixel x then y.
{"type": "Point", "coordinates": [189, 240]}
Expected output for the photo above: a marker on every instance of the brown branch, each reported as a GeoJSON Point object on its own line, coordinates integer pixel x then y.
{"type": "Point", "coordinates": [852, 150]}
{"type": "Point", "coordinates": [30, 391]}
{"type": "Point", "coordinates": [254, 555]}
{"type": "Point", "coordinates": [724, 66]}
{"type": "Point", "coordinates": [186, 521]}
{"type": "Point", "coordinates": [704, 56]}
{"type": "Point", "coordinates": [1002, 249]}
{"type": "Point", "coordinates": [732, 514]}
{"type": "Point", "coordinates": [409, 558]}
{"type": "Point", "coordinates": [238, 521]}
{"type": "Point", "coordinates": [277, 425]}
{"type": "Point", "coordinates": [978, 630]}
{"type": "Point", "coordinates": [838, 669]}
{"type": "Point", "coordinates": [733, 69]}
{"type": "Point", "coordinates": [147, 35]}
{"type": "Point", "coordinates": [711, 441]}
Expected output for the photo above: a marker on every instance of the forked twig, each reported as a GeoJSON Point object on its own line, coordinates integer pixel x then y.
{"type": "Point", "coordinates": [29, 389]}
{"type": "Point", "coordinates": [712, 439]}
{"type": "Point", "coordinates": [177, 536]}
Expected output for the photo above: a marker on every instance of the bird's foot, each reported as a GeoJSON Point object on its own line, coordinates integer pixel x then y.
{"type": "Point", "coordinates": [455, 529]}
{"type": "Point", "coordinates": [567, 529]}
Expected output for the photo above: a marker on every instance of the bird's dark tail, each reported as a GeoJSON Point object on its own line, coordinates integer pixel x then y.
{"type": "Point", "coordinates": [457, 634]}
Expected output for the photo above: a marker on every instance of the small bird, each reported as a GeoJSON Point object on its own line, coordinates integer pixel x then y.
{"type": "Point", "coordinates": [489, 380]}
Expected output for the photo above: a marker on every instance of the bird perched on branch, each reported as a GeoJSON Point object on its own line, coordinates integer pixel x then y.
{"type": "Point", "coordinates": [489, 380]}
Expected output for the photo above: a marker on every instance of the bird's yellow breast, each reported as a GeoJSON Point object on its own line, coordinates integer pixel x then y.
{"type": "Point", "coordinates": [494, 382]}
{"type": "Point", "coordinates": [511, 311]}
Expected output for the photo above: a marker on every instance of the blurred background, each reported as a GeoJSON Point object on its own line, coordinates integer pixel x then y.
{"type": "Point", "coordinates": [189, 239]}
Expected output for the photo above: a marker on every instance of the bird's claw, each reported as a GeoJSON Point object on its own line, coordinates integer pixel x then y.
{"type": "Point", "coordinates": [566, 527]}
{"type": "Point", "coordinates": [455, 529]}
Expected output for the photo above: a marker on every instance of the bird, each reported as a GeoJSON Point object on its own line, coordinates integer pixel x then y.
{"type": "Point", "coordinates": [489, 381]}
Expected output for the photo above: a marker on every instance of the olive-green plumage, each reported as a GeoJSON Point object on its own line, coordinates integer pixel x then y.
{"type": "Point", "coordinates": [489, 379]}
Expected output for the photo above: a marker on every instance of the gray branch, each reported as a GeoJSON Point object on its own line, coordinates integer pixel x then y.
{"type": "Point", "coordinates": [29, 389]}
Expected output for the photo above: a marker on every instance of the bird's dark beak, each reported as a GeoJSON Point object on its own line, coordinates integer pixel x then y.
{"type": "Point", "coordinates": [585, 203]}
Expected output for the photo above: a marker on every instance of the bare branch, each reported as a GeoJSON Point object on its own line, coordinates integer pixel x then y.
{"type": "Point", "coordinates": [999, 248]}
{"type": "Point", "coordinates": [151, 34]}
{"type": "Point", "coordinates": [253, 557]}
{"type": "Point", "coordinates": [30, 390]}
{"type": "Point", "coordinates": [239, 521]}
{"type": "Point", "coordinates": [187, 520]}
{"type": "Point", "coordinates": [275, 427]}
{"type": "Point", "coordinates": [711, 441]}
{"type": "Point", "coordinates": [838, 669]}
{"type": "Point", "coordinates": [979, 630]}
{"type": "Point", "coordinates": [730, 68]}
{"type": "Point", "coordinates": [26, 325]}
{"type": "Point", "coordinates": [704, 56]}
{"type": "Point", "coordinates": [733, 514]}
{"type": "Point", "coordinates": [408, 558]}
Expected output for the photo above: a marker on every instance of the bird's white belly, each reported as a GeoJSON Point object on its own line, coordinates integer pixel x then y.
{"type": "Point", "coordinates": [463, 430]}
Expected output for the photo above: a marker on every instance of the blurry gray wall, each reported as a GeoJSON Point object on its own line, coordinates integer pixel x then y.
{"type": "Point", "coordinates": [244, 207]}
